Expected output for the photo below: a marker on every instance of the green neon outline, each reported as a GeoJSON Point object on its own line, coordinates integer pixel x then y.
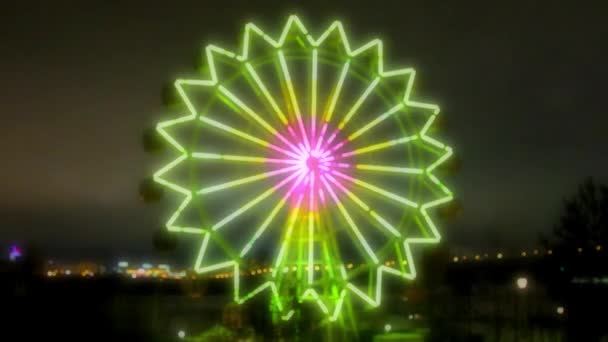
{"type": "Point", "coordinates": [294, 22]}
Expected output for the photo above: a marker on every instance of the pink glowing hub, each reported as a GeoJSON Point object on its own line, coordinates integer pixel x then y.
{"type": "Point", "coordinates": [308, 159]}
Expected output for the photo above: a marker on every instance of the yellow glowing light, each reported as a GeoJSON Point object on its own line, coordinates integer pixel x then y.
{"type": "Point", "coordinates": [522, 283]}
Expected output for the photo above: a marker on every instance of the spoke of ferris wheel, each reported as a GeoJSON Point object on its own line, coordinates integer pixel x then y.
{"type": "Point", "coordinates": [271, 216]}
{"type": "Point", "coordinates": [243, 135]}
{"type": "Point", "coordinates": [244, 159]}
{"type": "Point", "coordinates": [313, 97]}
{"type": "Point", "coordinates": [364, 129]}
{"type": "Point", "coordinates": [359, 102]}
{"type": "Point", "coordinates": [386, 168]}
{"type": "Point", "coordinates": [321, 136]}
{"type": "Point", "coordinates": [376, 121]}
{"type": "Point", "coordinates": [337, 146]}
{"type": "Point", "coordinates": [349, 220]}
{"type": "Point", "coordinates": [311, 186]}
{"type": "Point", "coordinates": [311, 213]}
{"type": "Point", "coordinates": [332, 106]}
{"type": "Point", "coordinates": [266, 93]}
{"type": "Point", "coordinates": [247, 180]}
{"type": "Point", "coordinates": [366, 208]}
{"type": "Point", "coordinates": [380, 146]}
{"type": "Point", "coordinates": [253, 202]}
{"type": "Point", "coordinates": [336, 93]}
{"type": "Point", "coordinates": [302, 149]}
{"type": "Point", "coordinates": [324, 158]}
{"type": "Point", "coordinates": [325, 154]}
{"type": "Point", "coordinates": [292, 96]}
{"type": "Point", "coordinates": [376, 189]}
{"type": "Point", "coordinates": [341, 165]}
{"type": "Point", "coordinates": [331, 138]}
{"type": "Point", "coordinates": [255, 116]}
{"type": "Point", "coordinates": [312, 217]}
{"type": "Point", "coordinates": [292, 220]}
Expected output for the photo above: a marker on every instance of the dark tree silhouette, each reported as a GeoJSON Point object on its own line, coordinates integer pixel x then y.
{"type": "Point", "coordinates": [152, 141]}
{"type": "Point", "coordinates": [150, 191]}
{"type": "Point", "coordinates": [584, 219]}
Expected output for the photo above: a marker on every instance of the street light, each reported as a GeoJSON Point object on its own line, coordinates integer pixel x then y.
{"type": "Point", "coordinates": [181, 334]}
{"type": "Point", "coordinates": [522, 283]}
{"type": "Point", "coordinates": [521, 307]}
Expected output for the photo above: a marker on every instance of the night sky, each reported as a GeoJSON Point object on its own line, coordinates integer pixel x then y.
{"type": "Point", "coordinates": [521, 84]}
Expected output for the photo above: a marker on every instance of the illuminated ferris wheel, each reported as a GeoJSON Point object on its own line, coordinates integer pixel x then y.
{"type": "Point", "coordinates": [308, 154]}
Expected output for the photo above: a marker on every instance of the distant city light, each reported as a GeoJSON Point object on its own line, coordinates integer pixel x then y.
{"type": "Point", "coordinates": [123, 264]}
{"type": "Point", "coordinates": [14, 254]}
{"type": "Point", "coordinates": [181, 334]}
{"type": "Point", "coordinates": [536, 251]}
{"type": "Point", "coordinates": [550, 252]}
{"type": "Point", "coordinates": [477, 257]}
{"type": "Point", "coordinates": [598, 248]}
{"type": "Point", "coordinates": [455, 259]}
{"type": "Point", "coordinates": [523, 254]}
{"type": "Point", "coordinates": [499, 255]}
{"type": "Point", "coordinates": [560, 310]}
{"type": "Point", "coordinates": [580, 250]}
{"type": "Point", "coordinates": [68, 272]}
{"type": "Point", "coordinates": [146, 265]}
{"type": "Point", "coordinates": [522, 283]}
{"type": "Point", "coordinates": [387, 327]}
